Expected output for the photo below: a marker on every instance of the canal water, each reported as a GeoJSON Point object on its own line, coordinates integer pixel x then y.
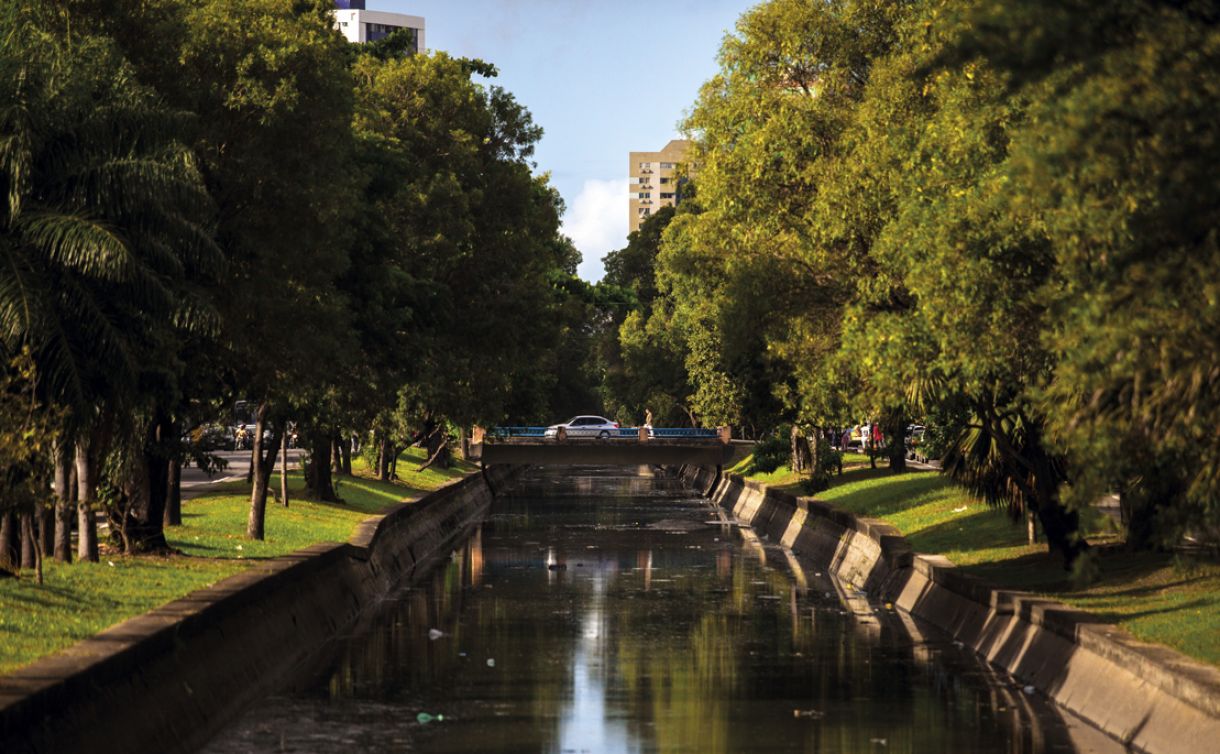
{"type": "Point", "coordinates": [609, 610]}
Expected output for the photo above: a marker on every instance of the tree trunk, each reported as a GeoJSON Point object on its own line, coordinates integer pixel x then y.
{"type": "Point", "coordinates": [392, 465]}
{"type": "Point", "coordinates": [321, 483]}
{"type": "Point", "coordinates": [86, 495]}
{"type": "Point", "coordinates": [798, 448]}
{"type": "Point", "coordinates": [896, 429]}
{"type": "Point", "coordinates": [1031, 528]}
{"type": "Point", "coordinates": [381, 455]}
{"type": "Point", "coordinates": [63, 502]}
{"type": "Point", "coordinates": [46, 528]}
{"type": "Point", "coordinates": [347, 455]}
{"type": "Point", "coordinates": [436, 443]}
{"type": "Point", "coordinates": [173, 497]}
{"type": "Point", "coordinates": [284, 467]}
{"type": "Point", "coordinates": [144, 530]}
{"type": "Point", "coordinates": [29, 541]}
{"type": "Point", "coordinates": [36, 546]}
{"type": "Point", "coordinates": [10, 541]}
{"type": "Point", "coordinates": [264, 462]}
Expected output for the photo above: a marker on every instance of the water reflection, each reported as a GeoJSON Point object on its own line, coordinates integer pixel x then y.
{"type": "Point", "coordinates": [619, 620]}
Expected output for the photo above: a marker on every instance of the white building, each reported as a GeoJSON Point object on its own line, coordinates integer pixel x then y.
{"type": "Point", "coordinates": [361, 25]}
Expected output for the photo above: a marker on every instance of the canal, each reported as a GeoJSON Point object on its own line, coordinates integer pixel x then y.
{"type": "Point", "coordinates": [609, 610]}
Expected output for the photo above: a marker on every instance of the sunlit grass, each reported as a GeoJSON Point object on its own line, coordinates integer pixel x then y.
{"type": "Point", "coordinates": [82, 599]}
{"type": "Point", "coordinates": [1153, 595]}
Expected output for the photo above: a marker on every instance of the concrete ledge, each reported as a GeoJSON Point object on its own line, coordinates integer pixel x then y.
{"type": "Point", "coordinates": [1148, 696]}
{"type": "Point", "coordinates": [167, 680]}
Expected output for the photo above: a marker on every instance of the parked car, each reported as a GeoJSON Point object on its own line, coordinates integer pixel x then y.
{"type": "Point", "coordinates": [585, 426]}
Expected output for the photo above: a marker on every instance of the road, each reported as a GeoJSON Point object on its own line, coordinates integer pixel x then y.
{"type": "Point", "coordinates": [195, 481]}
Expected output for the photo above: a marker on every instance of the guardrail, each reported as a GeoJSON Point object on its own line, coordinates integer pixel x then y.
{"type": "Point", "coordinates": [633, 433]}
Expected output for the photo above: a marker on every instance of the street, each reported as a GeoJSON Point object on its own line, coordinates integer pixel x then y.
{"type": "Point", "coordinates": [195, 481]}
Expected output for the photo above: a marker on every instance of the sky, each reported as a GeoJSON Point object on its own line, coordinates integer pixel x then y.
{"type": "Point", "coordinates": [602, 77]}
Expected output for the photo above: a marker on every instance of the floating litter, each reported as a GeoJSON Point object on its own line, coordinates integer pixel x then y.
{"type": "Point", "coordinates": [434, 634]}
{"type": "Point", "coordinates": [491, 662]}
{"type": "Point", "coordinates": [880, 741]}
{"type": "Point", "coordinates": [808, 713]}
{"type": "Point", "coordinates": [1028, 689]}
{"type": "Point", "coordinates": [424, 718]}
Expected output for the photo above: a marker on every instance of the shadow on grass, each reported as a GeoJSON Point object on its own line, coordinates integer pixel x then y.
{"type": "Point", "coordinates": [1044, 572]}
{"type": "Point", "coordinates": [983, 529]}
{"type": "Point", "coordinates": [884, 498]}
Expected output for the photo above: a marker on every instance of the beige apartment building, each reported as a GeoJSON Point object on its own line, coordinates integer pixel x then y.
{"type": "Point", "coordinates": [654, 180]}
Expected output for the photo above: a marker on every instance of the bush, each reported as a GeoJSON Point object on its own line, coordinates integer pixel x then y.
{"type": "Point", "coordinates": [772, 451]}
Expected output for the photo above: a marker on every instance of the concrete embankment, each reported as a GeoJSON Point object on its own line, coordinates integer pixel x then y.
{"type": "Point", "coordinates": [1147, 696]}
{"type": "Point", "coordinates": [165, 681]}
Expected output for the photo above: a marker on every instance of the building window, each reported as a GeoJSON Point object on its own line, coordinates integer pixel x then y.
{"type": "Point", "coordinates": [644, 195]}
{"type": "Point", "coordinates": [667, 196]}
{"type": "Point", "coordinates": [667, 166]}
{"type": "Point", "coordinates": [664, 180]}
{"type": "Point", "coordinates": [374, 32]}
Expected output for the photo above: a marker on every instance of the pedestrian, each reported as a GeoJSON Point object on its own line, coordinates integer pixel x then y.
{"type": "Point", "coordinates": [648, 418]}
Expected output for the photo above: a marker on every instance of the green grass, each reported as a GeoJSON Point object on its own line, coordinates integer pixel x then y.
{"type": "Point", "coordinates": [82, 599]}
{"type": "Point", "coordinates": [1157, 597]}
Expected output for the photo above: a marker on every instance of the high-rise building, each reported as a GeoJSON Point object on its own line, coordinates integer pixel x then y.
{"type": "Point", "coordinates": [654, 180]}
{"type": "Point", "coordinates": [358, 24]}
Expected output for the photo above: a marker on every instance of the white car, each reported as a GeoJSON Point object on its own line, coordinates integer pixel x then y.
{"type": "Point", "coordinates": [586, 426]}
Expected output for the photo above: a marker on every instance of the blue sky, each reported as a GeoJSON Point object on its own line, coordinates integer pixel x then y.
{"type": "Point", "coordinates": [602, 78]}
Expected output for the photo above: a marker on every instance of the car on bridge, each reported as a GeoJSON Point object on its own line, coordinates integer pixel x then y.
{"type": "Point", "coordinates": [585, 426]}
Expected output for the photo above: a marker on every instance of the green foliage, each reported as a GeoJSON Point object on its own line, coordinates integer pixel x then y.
{"type": "Point", "coordinates": [28, 432]}
{"type": "Point", "coordinates": [771, 452]}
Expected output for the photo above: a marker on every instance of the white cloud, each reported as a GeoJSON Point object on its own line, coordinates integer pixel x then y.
{"type": "Point", "coordinates": [596, 221]}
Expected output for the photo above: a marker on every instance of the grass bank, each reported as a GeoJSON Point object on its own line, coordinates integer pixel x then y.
{"type": "Point", "coordinates": [79, 600]}
{"type": "Point", "coordinates": [1158, 597]}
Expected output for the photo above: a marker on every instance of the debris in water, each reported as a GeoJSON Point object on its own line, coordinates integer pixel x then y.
{"type": "Point", "coordinates": [491, 662]}
{"type": "Point", "coordinates": [424, 718]}
{"type": "Point", "coordinates": [1028, 689]}
{"type": "Point", "coordinates": [880, 741]}
{"type": "Point", "coordinates": [557, 567]}
{"type": "Point", "coordinates": [435, 633]}
{"type": "Point", "coordinates": [889, 606]}
{"type": "Point", "coordinates": [809, 713]}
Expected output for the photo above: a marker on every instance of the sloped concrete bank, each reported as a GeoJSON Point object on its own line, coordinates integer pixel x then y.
{"type": "Point", "coordinates": [1147, 696]}
{"type": "Point", "coordinates": [165, 681]}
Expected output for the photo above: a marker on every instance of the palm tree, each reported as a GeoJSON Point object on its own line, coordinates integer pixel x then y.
{"type": "Point", "coordinates": [102, 234]}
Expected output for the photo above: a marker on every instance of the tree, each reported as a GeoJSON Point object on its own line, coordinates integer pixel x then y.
{"type": "Point", "coordinates": [1114, 167]}
{"type": "Point", "coordinates": [104, 231]}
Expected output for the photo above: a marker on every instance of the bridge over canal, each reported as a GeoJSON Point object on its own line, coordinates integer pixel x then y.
{"type": "Point", "coordinates": [632, 446]}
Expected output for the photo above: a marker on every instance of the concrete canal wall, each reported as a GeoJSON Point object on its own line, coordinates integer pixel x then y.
{"type": "Point", "coordinates": [1152, 698]}
{"type": "Point", "coordinates": [167, 680]}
